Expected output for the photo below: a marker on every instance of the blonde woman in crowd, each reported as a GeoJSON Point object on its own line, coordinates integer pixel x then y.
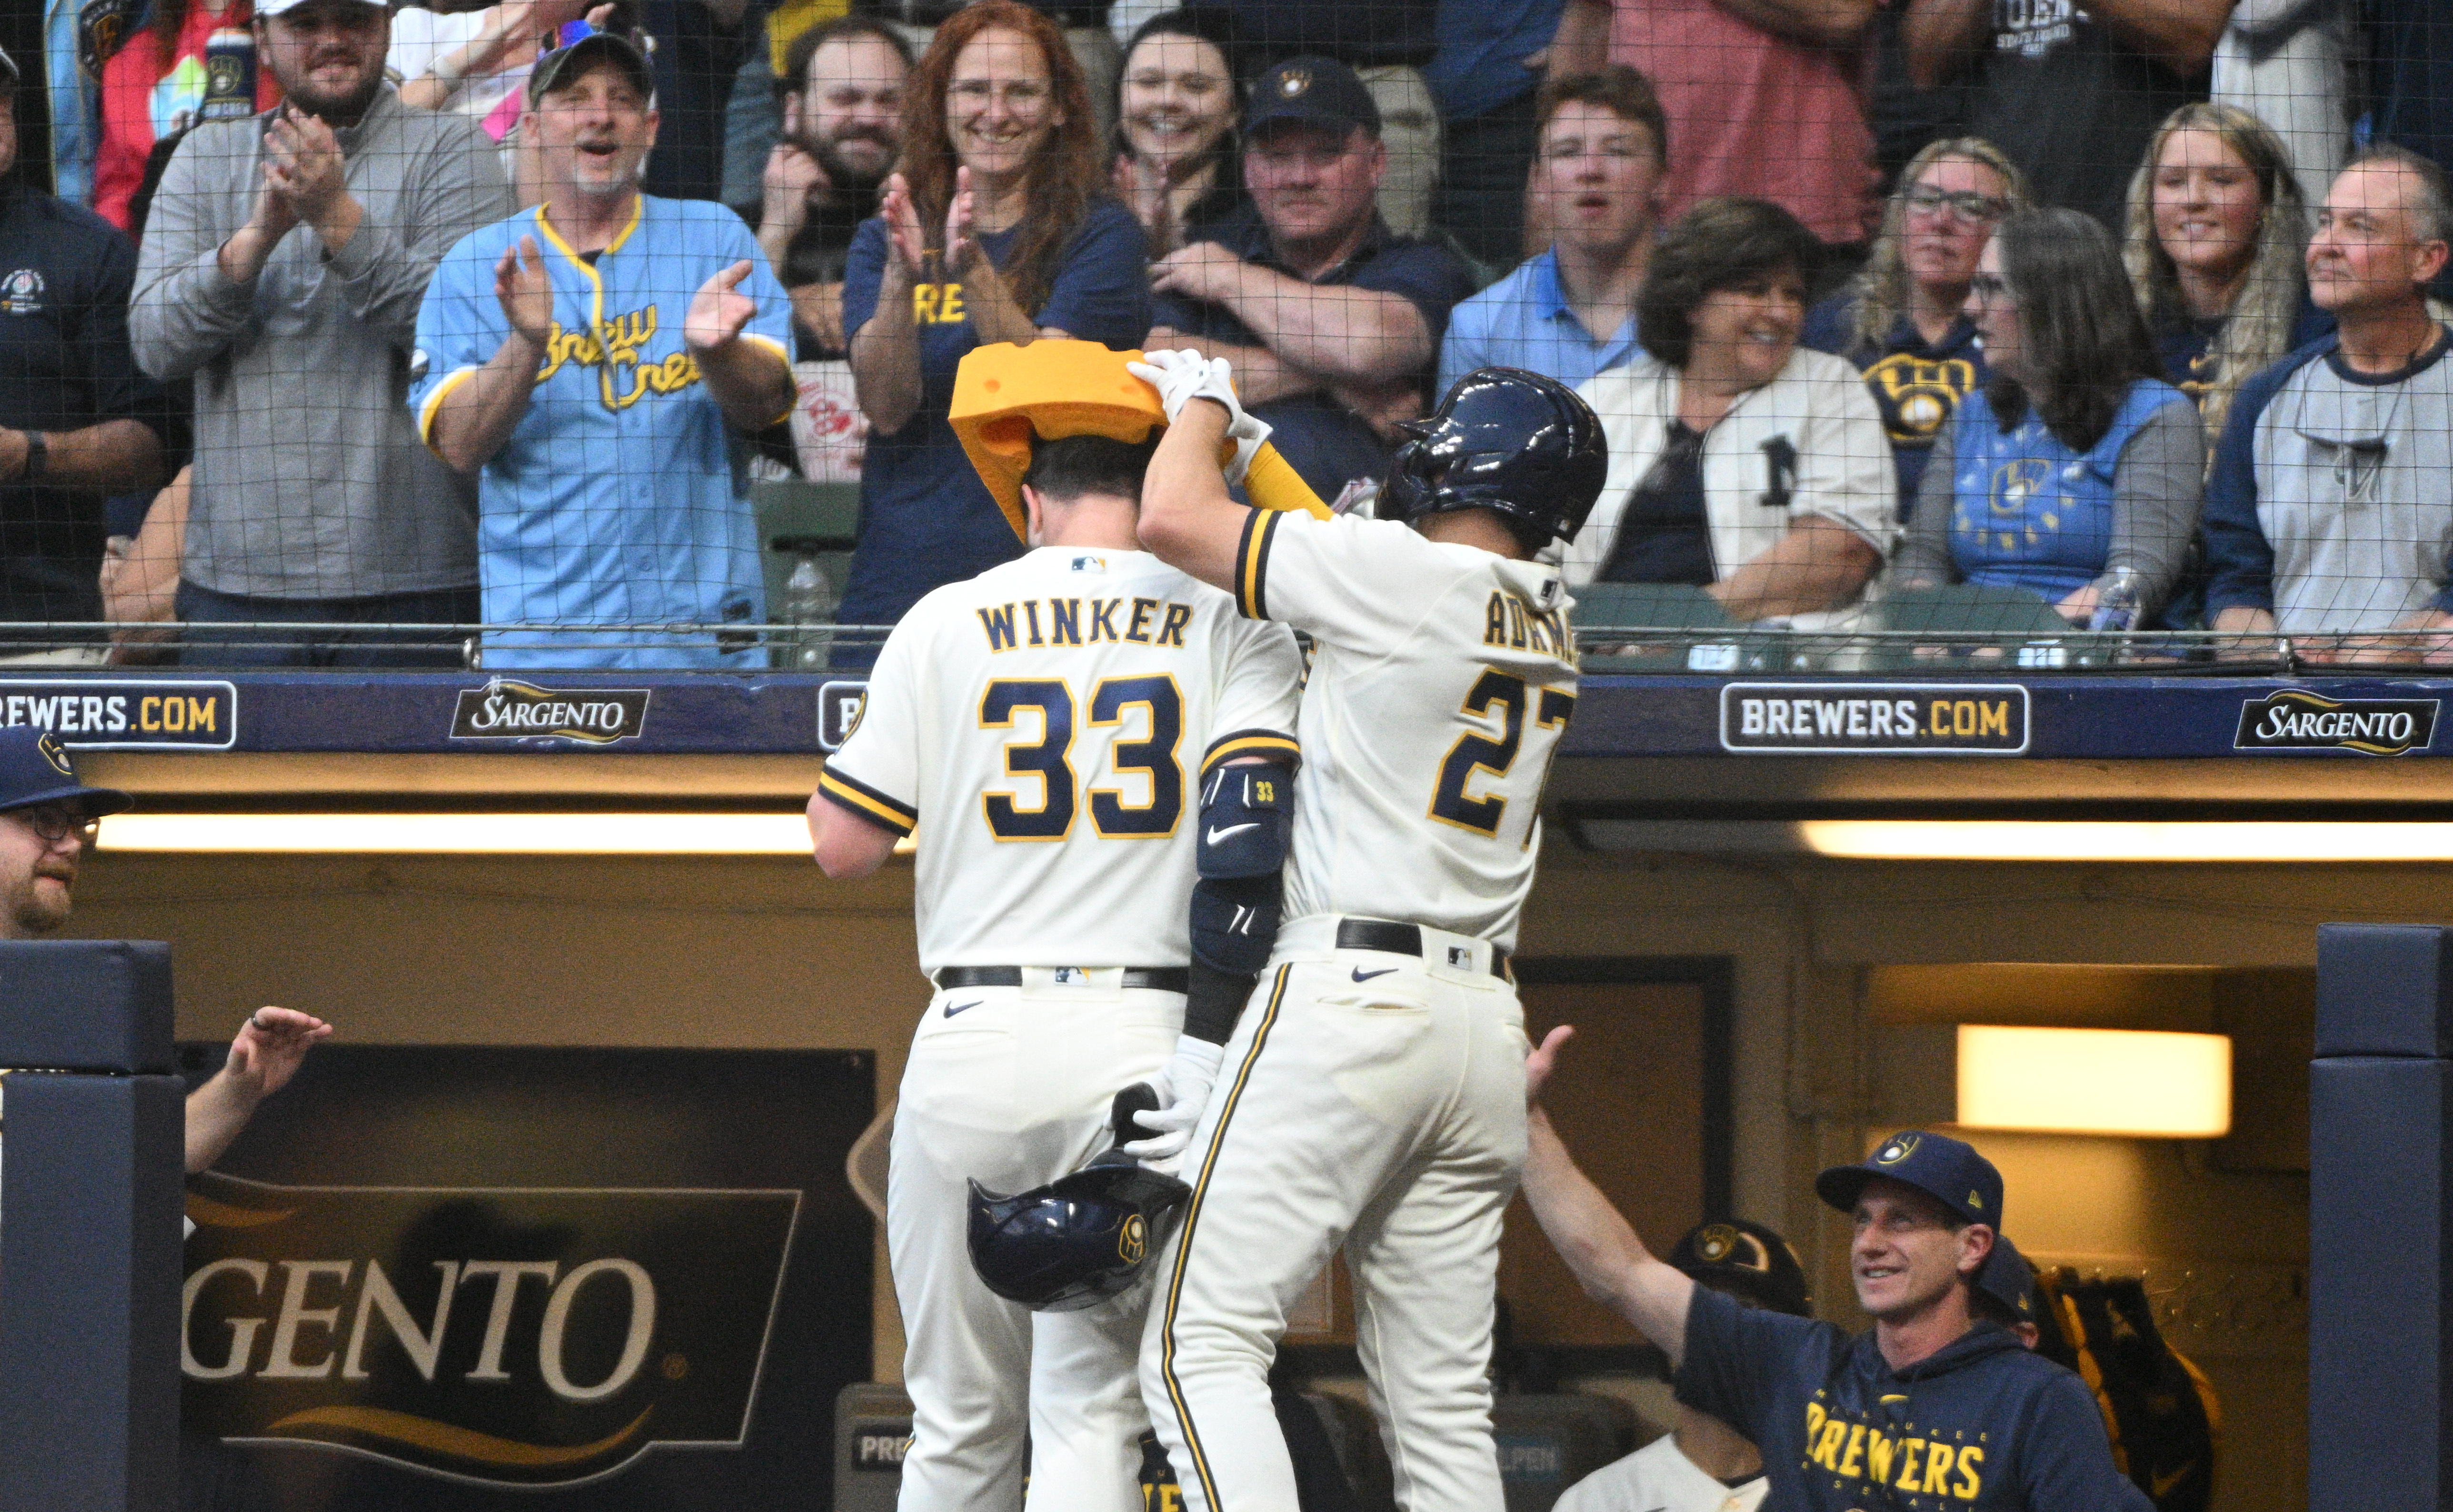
{"type": "Point", "coordinates": [2216, 236]}
{"type": "Point", "coordinates": [1902, 321]}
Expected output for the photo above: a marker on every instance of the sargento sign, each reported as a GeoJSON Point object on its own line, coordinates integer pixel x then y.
{"type": "Point", "coordinates": [2296, 719]}
{"type": "Point", "coordinates": [518, 1337]}
{"type": "Point", "coordinates": [1955, 718]}
{"type": "Point", "coordinates": [505, 710]}
{"type": "Point", "coordinates": [101, 713]}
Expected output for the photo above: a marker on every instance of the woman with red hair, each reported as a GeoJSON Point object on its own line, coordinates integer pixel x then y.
{"type": "Point", "coordinates": [999, 228]}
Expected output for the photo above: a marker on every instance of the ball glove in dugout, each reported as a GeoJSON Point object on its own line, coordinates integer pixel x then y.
{"type": "Point", "coordinates": [1081, 1238]}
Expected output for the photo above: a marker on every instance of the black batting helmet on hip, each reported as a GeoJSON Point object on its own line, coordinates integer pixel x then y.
{"type": "Point", "coordinates": [1081, 1238]}
{"type": "Point", "coordinates": [1515, 443]}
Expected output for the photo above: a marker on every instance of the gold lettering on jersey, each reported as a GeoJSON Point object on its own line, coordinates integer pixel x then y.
{"type": "Point", "coordinates": [1064, 621]}
{"type": "Point", "coordinates": [938, 304]}
{"type": "Point", "coordinates": [998, 623]}
{"type": "Point", "coordinates": [1103, 619]}
{"type": "Point", "coordinates": [1171, 632]}
{"type": "Point", "coordinates": [1031, 611]}
{"type": "Point", "coordinates": [1137, 630]}
{"type": "Point", "coordinates": [1866, 1452]}
{"type": "Point", "coordinates": [615, 344]}
{"type": "Point", "coordinates": [1509, 622]}
{"type": "Point", "coordinates": [1152, 622]}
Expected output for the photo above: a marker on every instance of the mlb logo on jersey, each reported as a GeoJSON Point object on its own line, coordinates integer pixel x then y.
{"type": "Point", "coordinates": [1087, 564]}
{"type": "Point", "coordinates": [1461, 958]}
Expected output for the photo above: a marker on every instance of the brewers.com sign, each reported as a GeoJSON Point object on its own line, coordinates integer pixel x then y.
{"type": "Point", "coordinates": [508, 1338]}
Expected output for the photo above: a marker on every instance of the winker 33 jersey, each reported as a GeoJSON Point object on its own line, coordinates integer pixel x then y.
{"type": "Point", "coordinates": [1442, 679]}
{"type": "Point", "coordinates": [1044, 725]}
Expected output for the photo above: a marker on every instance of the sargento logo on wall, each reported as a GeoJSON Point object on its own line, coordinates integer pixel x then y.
{"type": "Point", "coordinates": [504, 709]}
{"type": "Point", "coordinates": [112, 713]}
{"type": "Point", "coordinates": [1949, 719]}
{"type": "Point", "coordinates": [2297, 719]}
{"type": "Point", "coordinates": [503, 1336]}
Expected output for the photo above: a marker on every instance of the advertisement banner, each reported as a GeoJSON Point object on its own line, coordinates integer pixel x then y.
{"type": "Point", "coordinates": [432, 1280]}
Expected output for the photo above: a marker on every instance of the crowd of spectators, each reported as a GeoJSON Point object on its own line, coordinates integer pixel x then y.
{"type": "Point", "coordinates": [386, 318]}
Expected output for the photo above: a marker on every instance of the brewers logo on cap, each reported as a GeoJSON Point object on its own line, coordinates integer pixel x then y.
{"type": "Point", "coordinates": [1132, 1243]}
{"type": "Point", "coordinates": [1897, 1150]}
{"type": "Point", "coordinates": [1976, 1199]}
{"type": "Point", "coordinates": [1293, 82]}
{"type": "Point", "coordinates": [1716, 1242]}
{"type": "Point", "coordinates": [57, 757]}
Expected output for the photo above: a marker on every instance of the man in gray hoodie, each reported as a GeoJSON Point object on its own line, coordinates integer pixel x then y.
{"type": "Point", "coordinates": [281, 269]}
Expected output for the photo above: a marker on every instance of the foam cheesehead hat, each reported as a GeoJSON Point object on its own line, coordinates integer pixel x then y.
{"type": "Point", "coordinates": [1008, 398]}
{"type": "Point", "coordinates": [1946, 1169]}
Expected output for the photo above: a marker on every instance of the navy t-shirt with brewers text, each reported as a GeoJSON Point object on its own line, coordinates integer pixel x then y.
{"type": "Point", "coordinates": [925, 518]}
{"type": "Point", "coordinates": [1980, 1425]}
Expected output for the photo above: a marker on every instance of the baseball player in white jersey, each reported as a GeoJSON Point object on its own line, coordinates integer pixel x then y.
{"type": "Point", "coordinates": [1043, 727]}
{"type": "Point", "coordinates": [1373, 1094]}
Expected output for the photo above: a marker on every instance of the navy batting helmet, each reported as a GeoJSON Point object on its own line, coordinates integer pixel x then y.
{"type": "Point", "coordinates": [1515, 443]}
{"type": "Point", "coordinates": [1084, 1238]}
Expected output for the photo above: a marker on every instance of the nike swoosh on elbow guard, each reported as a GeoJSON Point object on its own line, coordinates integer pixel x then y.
{"type": "Point", "coordinates": [1217, 835]}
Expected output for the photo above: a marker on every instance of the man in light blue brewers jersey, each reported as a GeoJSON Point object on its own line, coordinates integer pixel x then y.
{"type": "Point", "coordinates": [565, 352]}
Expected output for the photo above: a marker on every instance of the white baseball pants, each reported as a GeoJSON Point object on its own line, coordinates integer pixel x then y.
{"type": "Point", "coordinates": [1013, 1089]}
{"type": "Point", "coordinates": [1376, 1102]}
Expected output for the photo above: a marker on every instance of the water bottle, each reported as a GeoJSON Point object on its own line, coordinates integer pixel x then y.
{"type": "Point", "coordinates": [2116, 606]}
{"type": "Point", "coordinates": [230, 75]}
{"type": "Point", "coordinates": [808, 604]}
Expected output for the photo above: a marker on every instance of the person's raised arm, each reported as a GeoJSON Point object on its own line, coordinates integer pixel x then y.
{"type": "Point", "coordinates": [1581, 43]}
{"type": "Point", "coordinates": [749, 378]}
{"type": "Point", "coordinates": [1187, 518]}
{"type": "Point", "coordinates": [886, 348]}
{"type": "Point", "coordinates": [1335, 332]}
{"type": "Point", "coordinates": [1596, 1241]}
{"type": "Point", "coordinates": [473, 419]}
{"type": "Point", "coordinates": [1823, 23]}
{"type": "Point", "coordinates": [262, 1060]}
{"type": "Point", "coordinates": [2181, 34]}
{"type": "Point", "coordinates": [1941, 38]}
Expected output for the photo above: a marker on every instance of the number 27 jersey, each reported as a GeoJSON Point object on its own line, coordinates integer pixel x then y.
{"type": "Point", "coordinates": [1442, 680]}
{"type": "Point", "coordinates": [1044, 726]}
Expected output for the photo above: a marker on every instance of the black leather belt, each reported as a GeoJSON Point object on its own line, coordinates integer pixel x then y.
{"type": "Point", "coordinates": [1151, 979]}
{"type": "Point", "coordinates": [1400, 940]}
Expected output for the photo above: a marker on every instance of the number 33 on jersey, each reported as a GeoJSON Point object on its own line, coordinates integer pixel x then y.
{"type": "Point", "coordinates": [1403, 815]}
{"type": "Point", "coordinates": [1071, 696]}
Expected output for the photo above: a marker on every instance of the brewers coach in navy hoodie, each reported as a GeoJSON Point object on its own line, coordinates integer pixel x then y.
{"type": "Point", "coordinates": [1932, 1411]}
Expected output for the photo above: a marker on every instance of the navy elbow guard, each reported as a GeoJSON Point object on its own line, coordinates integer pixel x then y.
{"type": "Point", "coordinates": [1245, 814]}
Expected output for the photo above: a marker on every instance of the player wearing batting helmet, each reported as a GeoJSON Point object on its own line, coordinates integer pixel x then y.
{"type": "Point", "coordinates": [1051, 733]}
{"type": "Point", "coordinates": [1931, 1410]}
{"type": "Point", "coordinates": [1373, 1093]}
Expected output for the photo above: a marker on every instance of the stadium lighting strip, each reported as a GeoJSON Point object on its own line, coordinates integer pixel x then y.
{"type": "Point", "coordinates": [2019, 839]}
{"type": "Point", "coordinates": [2140, 1083]}
{"type": "Point", "coordinates": [463, 834]}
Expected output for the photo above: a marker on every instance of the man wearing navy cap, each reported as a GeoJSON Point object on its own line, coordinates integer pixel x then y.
{"type": "Point", "coordinates": [1332, 322]}
{"type": "Point", "coordinates": [2005, 1291]}
{"type": "Point", "coordinates": [47, 816]}
{"type": "Point", "coordinates": [1932, 1410]}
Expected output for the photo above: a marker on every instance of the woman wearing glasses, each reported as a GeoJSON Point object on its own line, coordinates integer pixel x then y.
{"type": "Point", "coordinates": [2075, 468]}
{"type": "Point", "coordinates": [1900, 320]}
{"type": "Point", "coordinates": [1738, 463]}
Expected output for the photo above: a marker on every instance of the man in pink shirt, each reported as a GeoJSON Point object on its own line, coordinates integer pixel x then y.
{"type": "Point", "coordinates": [1763, 97]}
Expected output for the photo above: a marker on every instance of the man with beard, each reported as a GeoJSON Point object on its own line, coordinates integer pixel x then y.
{"type": "Point", "coordinates": [281, 267]}
{"type": "Point", "coordinates": [47, 820]}
{"type": "Point", "coordinates": [843, 130]}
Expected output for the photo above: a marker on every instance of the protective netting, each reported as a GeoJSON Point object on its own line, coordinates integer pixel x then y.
{"type": "Point", "coordinates": [1921, 331]}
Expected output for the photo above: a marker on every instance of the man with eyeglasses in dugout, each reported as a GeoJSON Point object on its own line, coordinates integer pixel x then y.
{"type": "Point", "coordinates": [47, 820]}
{"type": "Point", "coordinates": [1933, 1409]}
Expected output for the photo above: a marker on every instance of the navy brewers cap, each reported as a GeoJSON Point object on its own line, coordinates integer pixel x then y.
{"type": "Point", "coordinates": [1946, 1169]}
{"type": "Point", "coordinates": [1320, 91]}
{"type": "Point", "coordinates": [2009, 1280]}
{"type": "Point", "coordinates": [35, 768]}
{"type": "Point", "coordinates": [565, 66]}
{"type": "Point", "coordinates": [1746, 1259]}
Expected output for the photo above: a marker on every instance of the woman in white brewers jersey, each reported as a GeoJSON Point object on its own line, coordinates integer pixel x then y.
{"type": "Point", "coordinates": [1045, 726]}
{"type": "Point", "coordinates": [1373, 1094]}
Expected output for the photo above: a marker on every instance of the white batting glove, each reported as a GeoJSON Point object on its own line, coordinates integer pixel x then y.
{"type": "Point", "coordinates": [1182, 376]}
{"type": "Point", "coordinates": [1183, 1089]}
